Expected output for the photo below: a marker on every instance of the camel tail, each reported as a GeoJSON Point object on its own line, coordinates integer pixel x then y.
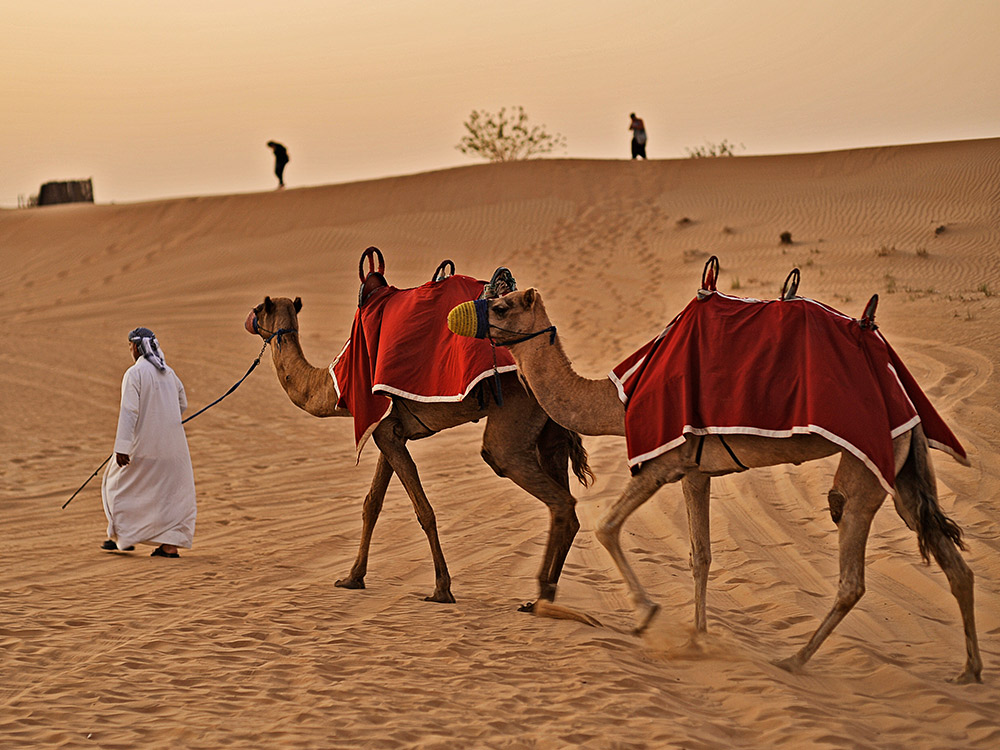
{"type": "Point", "coordinates": [917, 489]}
{"type": "Point", "coordinates": [556, 444]}
{"type": "Point", "coordinates": [578, 459]}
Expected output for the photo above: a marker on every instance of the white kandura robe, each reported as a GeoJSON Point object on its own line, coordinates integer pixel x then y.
{"type": "Point", "coordinates": [152, 499]}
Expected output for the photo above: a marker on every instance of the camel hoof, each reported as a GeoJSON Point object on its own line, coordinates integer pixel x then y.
{"type": "Point", "coordinates": [445, 598]}
{"type": "Point", "coordinates": [968, 677]}
{"type": "Point", "coordinates": [644, 622]}
{"type": "Point", "coordinates": [791, 664]}
{"type": "Point", "coordinates": [350, 583]}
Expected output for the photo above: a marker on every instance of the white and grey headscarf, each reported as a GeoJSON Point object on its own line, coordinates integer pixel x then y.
{"type": "Point", "coordinates": [149, 347]}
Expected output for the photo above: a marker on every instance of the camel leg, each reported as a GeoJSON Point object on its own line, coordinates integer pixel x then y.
{"type": "Point", "coordinates": [369, 516]}
{"type": "Point", "coordinates": [510, 455]}
{"type": "Point", "coordinates": [388, 436]}
{"type": "Point", "coordinates": [697, 493]}
{"type": "Point", "coordinates": [863, 496]}
{"type": "Point", "coordinates": [913, 488]}
{"type": "Point", "coordinates": [960, 579]}
{"type": "Point", "coordinates": [639, 489]}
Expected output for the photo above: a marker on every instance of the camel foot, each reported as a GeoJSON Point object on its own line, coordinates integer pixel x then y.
{"type": "Point", "coordinates": [350, 583]}
{"type": "Point", "coordinates": [791, 664]}
{"type": "Point", "coordinates": [968, 677]}
{"type": "Point", "coordinates": [440, 598]}
{"type": "Point", "coordinates": [651, 611]}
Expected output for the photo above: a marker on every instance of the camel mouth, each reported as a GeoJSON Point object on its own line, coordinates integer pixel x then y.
{"type": "Point", "coordinates": [251, 323]}
{"type": "Point", "coordinates": [470, 319]}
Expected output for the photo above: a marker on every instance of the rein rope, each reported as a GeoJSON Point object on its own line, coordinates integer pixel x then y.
{"type": "Point", "coordinates": [551, 330]}
{"type": "Point", "coordinates": [279, 333]}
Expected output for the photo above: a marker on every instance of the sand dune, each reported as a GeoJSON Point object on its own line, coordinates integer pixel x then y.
{"type": "Point", "coordinates": [245, 642]}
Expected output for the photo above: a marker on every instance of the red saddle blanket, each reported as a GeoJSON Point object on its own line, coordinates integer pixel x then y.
{"type": "Point", "coordinates": [731, 365]}
{"type": "Point", "coordinates": [400, 345]}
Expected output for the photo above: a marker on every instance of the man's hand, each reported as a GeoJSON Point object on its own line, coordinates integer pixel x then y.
{"type": "Point", "coordinates": [122, 459]}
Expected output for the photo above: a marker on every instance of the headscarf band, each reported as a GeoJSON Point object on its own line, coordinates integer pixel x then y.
{"type": "Point", "coordinates": [149, 347]}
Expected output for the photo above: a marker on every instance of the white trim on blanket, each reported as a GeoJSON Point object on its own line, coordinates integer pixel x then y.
{"type": "Point", "coordinates": [384, 390]}
{"type": "Point", "coordinates": [797, 430]}
{"type": "Point", "coordinates": [336, 385]}
{"type": "Point", "coordinates": [618, 383]}
{"type": "Point", "coordinates": [387, 390]}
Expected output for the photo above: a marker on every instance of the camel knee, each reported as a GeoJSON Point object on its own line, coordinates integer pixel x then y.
{"type": "Point", "coordinates": [701, 560]}
{"type": "Point", "coordinates": [427, 521]}
{"type": "Point", "coordinates": [607, 533]}
{"type": "Point", "coordinates": [849, 593]}
{"type": "Point", "coordinates": [960, 576]}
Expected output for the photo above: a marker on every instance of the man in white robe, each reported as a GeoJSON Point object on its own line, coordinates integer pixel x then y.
{"type": "Point", "coordinates": [148, 489]}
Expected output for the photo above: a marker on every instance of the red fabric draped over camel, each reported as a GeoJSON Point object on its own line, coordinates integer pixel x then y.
{"type": "Point", "coordinates": [400, 345]}
{"type": "Point", "coordinates": [732, 365]}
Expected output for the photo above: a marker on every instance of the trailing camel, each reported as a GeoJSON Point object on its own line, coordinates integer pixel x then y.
{"type": "Point", "coordinates": [593, 407]}
{"type": "Point", "coordinates": [520, 442]}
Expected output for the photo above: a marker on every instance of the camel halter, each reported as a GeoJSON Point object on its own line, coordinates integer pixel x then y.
{"type": "Point", "coordinates": [472, 319]}
{"type": "Point", "coordinates": [270, 334]}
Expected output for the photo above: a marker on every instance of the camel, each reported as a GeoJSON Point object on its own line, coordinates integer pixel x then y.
{"type": "Point", "coordinates": [520, 442]}
{"type": "Point", "coordinates": [593, 407]}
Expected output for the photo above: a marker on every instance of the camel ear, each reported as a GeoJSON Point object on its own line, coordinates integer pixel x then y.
{"type": "Point", "coordinates": [297, 304]}
{"type": "Point", "coordinates": [528, 300]}
{"type": "Point", "coordinates": [268, 305]}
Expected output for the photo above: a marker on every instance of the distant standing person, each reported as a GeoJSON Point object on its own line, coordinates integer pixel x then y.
{"type": "Point", "coordinates": [280, 160]}
{"type": "Point", "coordinates": [638, 129]}
{"type": "Point", "coordinates": [148, 489]}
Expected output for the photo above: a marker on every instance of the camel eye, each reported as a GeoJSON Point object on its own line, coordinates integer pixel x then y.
{"type": "Point", "coordinates": [500, 310]}
{"type": "Point", "coordinates": [259, 308]}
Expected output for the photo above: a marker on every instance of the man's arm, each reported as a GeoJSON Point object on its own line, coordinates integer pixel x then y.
{"type": "Point", "coordinates": [128, 415]}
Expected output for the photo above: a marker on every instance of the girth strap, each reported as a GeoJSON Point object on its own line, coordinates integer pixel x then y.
{"type": "Point", "coordinates": [701, 445]}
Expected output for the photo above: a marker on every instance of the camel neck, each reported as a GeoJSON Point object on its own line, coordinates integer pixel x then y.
{"type": "Point", "coordinates": [309, 388]}
{"type": "Point", "coordinates": [590, 407]}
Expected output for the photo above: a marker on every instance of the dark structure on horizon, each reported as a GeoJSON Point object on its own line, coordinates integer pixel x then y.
{"type": "Point", "coordinates": [71, 191]}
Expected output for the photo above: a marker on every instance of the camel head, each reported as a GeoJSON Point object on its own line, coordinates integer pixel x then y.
{"type": "Point", "coordinates": [508, 320]}
{"type": "Point", "coordinates": [274, 316]}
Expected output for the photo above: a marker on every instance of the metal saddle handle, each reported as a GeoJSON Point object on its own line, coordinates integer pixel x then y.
{"type": "Point", "coordinates": [868, 316]}
{"type": "Point", "coordinates": [375, 278]}
{"type": "Point", "coordinates": [370, 254]}
{"type": "Point", "coordinates": [791, 286]}
{"type": "Point", "coordinates": [442, 272]}
{"type": "Point", "coordinates": [710, 275]}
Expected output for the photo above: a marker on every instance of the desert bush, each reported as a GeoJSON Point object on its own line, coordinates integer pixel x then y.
{"type": "Point", "coordinates": [785, 238]}
{"type": "Point", "coordinates": [506, 136]}
{"type": "Point", "coordinates": [723, 148]}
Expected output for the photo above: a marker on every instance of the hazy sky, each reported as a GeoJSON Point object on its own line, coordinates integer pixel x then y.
{"type": "Point", "coordinates": [157, 99]}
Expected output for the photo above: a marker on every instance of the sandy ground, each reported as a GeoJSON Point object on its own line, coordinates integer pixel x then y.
{"type": "Point", "coordinates": [245, 642]}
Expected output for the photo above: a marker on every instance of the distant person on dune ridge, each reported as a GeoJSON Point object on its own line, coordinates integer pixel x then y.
{"type": "Point", "coordinates": [148, 490]}
{"type": "Point", "coordinates": [280, 160]}
{"type": "Point", "coordinates": [638, 129]}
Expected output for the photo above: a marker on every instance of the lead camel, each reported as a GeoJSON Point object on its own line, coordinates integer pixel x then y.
{"type": "Point", "coordinates": [519, 442]}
